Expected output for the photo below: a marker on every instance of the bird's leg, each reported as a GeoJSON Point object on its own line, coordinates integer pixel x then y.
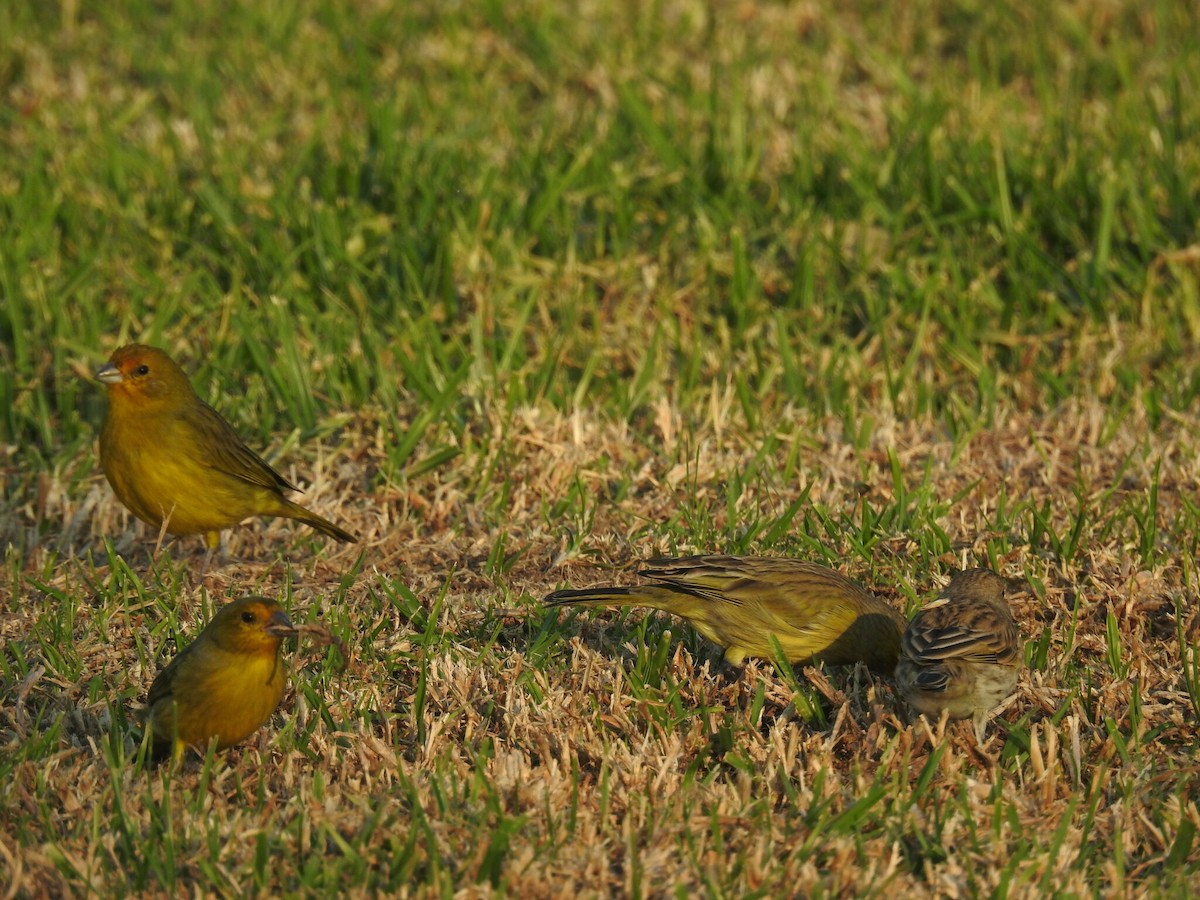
{"type": "Point", "coordinates": [980, 722]}
{"type": "Point", "coordinates": [215, 546]}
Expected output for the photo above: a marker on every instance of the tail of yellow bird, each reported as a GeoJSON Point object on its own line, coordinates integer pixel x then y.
{"type": "Point", "coordinates": [308, 517]}
{"type": "Point", "coordinates": [653, 597]}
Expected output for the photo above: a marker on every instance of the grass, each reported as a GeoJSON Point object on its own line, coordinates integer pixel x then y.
{"type": "Point", "coordinates": [525, 292]}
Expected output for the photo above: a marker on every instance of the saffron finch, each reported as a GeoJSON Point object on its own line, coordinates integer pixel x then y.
{"type": "Point", "coordinates": [225, 684]}
{"type": "Point", "coordinates": [175, 463]}
{"type": "Point", "coordinates": [740, 602]}
{"type": "Point", "coordinates": [961, 652]}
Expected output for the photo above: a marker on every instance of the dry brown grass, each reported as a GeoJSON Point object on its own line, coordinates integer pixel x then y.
{"type": "Point", "coordinates": [786, 278]}
{"type": "Point", "coordinates": [518, 754]}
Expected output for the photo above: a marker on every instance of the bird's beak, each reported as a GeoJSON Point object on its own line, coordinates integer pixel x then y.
{"type": "Point", "coordinates": [281, 626]}
{"type": "Point", "coordinates": [109, 374]}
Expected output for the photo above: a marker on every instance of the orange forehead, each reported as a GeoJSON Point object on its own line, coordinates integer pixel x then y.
{"type": "Point", "coordinates": [129, 357]}
{"type": "Point", "coordinates": [260, 607]}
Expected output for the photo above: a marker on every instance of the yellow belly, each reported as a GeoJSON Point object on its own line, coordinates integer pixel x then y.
{"type": "Point", "coordinates": [229, 702]}
{"type": "Point", "coordinates": [160, 484]}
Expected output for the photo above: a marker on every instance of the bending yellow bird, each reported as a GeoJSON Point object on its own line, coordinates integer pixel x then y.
{"type": "Point", "coordinates": [741, 602]}
{"type": "Point", "coordinates": [172, 459]}
{"type": "Point", "coordinates": [225, 684]}
{"type": "Point", "coordinates": [961, 653]}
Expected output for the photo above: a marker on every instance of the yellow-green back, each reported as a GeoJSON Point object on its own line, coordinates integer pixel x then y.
{"type": "Point", "coordinates": [741, 602]}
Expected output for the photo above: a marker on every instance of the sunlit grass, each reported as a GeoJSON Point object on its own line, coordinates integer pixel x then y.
{"type": "Point", "coordinates": [526, 292]}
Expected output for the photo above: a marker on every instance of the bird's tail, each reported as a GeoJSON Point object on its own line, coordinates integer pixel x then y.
{"type": "Point", "coordinates": [308, 517]}
{"type": "Point", "coordinates": [609, 596]}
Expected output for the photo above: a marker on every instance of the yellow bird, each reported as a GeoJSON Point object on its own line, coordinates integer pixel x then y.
{"type": "Point", "coordinates": [740, 602]}
{"type": "Point", "coordinates": [961, 653]}
{"type": "Point", "coordinates": [172, 459]}
{"type": "Point", "coordinates": [225, 684]}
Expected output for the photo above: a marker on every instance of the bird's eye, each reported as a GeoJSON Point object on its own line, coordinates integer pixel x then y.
{"type": "Point", "coordinates": [247, 616]}
{"type": "Point", "coordinates": [143, 369]}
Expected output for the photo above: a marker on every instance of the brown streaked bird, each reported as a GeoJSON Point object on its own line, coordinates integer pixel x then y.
{"type": "Point", "coordinates": [740, 602]}
{"type": "Point", "coordinates": [961, 653]}
{"type": "Point", "coordinates": [172, 459]}
{"type": "Point", "coordinates": [225, 684]}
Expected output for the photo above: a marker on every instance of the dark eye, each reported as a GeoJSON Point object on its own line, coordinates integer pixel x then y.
{"type": "Point", "coordinates": [247, 616]}
{"type": "Point", "coordinates": [143, 369]}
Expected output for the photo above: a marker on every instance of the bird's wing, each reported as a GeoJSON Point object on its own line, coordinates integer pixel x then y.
{"type": "Point", "coordinates": [975, 632]}
{"type": "Point", "coordinates": [219, 447]}
{"type": "Point", "coordinates": [707, 577]}
{"type": "Point", "coordinates": [786, 594]}
{"type": "Point", "coordinates": [935, 679]}
{"type": "Point", "coordinates": [163, 686]}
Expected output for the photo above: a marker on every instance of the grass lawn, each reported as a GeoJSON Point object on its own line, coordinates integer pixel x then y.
{"type": "Point", "coordinates": [523, 293]}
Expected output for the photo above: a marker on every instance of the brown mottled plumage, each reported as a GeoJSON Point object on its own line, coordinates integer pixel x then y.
{"type": "Point", "coordinates": [740, 602]}
{"type": "Point", "coordinates": [961, 653]}
{"type": "Point", "coordinates": [171, 458]}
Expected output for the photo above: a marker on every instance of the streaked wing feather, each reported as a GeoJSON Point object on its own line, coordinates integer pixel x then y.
{"type": "Point", "coordinates": [932, 680]}
{"type": "Point", "coordinates": [938, 634]}
{"type": "Point", "coordinates": [225, 451]}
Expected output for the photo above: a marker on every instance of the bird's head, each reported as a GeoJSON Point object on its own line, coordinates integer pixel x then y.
{"type": "Point", "coordinates": [251, 625]}
{"type": "Point", "coordinates": [973, 584]}
{"type": "Point", "coordinates": [142, 373]}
